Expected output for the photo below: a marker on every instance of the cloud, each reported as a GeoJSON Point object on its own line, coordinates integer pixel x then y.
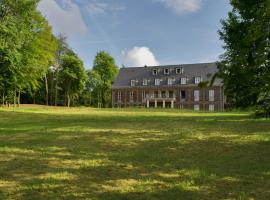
{"type": "Point", "coordinates": [182, 6]}
{"type": "Point", "coordinates": [139, 56]}
{"type": "Point", "coordinates": [66, 19]}
{"type": "Point", "coordinates": [101, 8]}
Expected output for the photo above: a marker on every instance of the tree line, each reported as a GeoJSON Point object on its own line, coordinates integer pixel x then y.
{"type": "Point", "coordinates": [38, 67]}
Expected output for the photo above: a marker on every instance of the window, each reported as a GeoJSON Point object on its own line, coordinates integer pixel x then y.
{"type": "Point", "coordinates": [198, 79]}
{"type": "Point", "coordinates": [170, 81]}
{"type": "Point", "coordinates": [145, 82]}
{"type": "Point", "coordinates": [183, 95]}
{"type": "Point", "coordinates": [166, 71]}
{"type": "Point", "coordinates": [157, 81]}
{"type": "Point", "coordinates": [119, 96]}
{"type": "Point", "coordinates": [131, 96]}
{"type": "Point", "coordinates": [155, 72]}
{"type": "Point", "coordinates": [211, 95]}
{"type": "Point", "coordinates": [196, 95]}
{"type": "Point", "coordinates": [163, 94]}
{"type": "Point", "coordinates": [183, 81]}
{"type": "Point", "coordinates": [133, 82]}
{"type": "Point", "coordinates": [211, 107]}
{"type": "Point", "coordinates": [179, 70]}
{"type": "Point", "coordinates": [196, 107]}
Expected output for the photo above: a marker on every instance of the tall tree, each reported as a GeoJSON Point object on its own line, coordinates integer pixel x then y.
{"type": "Point", "coordinates": [26, 46]}
{"type": "Point", "coordinates": [105, 67]}
{"type": "Point", "coordinates": [245, 63]}
{"type": "Point", "coordinates": [72, 77]}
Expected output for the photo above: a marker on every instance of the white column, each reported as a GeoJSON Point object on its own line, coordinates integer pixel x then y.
{"type": "Point", "coordinates": [147, 103]}
{"type": "Point", "coordinates": [164, 105]}
{"type": "Point", "coordinates": [172, 105]}
{"type": "Point", "coordinates": [155, 103]}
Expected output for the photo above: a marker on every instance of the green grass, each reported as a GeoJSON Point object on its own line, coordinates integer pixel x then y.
{"type": "Point", "coordinates": [83, 153]}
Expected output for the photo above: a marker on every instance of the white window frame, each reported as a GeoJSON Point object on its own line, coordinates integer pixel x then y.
{"type": "Point", "coordinates": [211, 95]}
{"type": "Point", "coordinates": [119, 96]}
{"type": "Point", "coordinates": [196, 95]}
{"type": "Point", "coordinates": [211, 107]}
{"type": "Point", "coordinates": [180, 69]}
{"type": "Point", "coordinates": [133, 83]}
{"type": "Point", "coordinates": [196, 107]}
{"type": "Point", "coordinates": [155, 71]}
{"type": "Point", "coordinates": [183, 80]}
{"type": "Point", "coordinates": [143, 95]}
{"type": "Point", "coordinates": [131, 96]}
{"type": "Point", "coordinates": [170, 81]}
{"type": "Point", "coordinates": [145, 82]}
{"type": "Point", "coordinates": [157, 81]}
{"type": "Point", "coordinates": [198, 79]}
{"type": "Point", "coordinates": [168, 72]}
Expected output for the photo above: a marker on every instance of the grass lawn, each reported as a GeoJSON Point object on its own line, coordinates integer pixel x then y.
{"type": "Point", "coordinates": [83, 153]}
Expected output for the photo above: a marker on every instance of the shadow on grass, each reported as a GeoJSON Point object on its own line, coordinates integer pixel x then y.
{"type": "Point", "coordinates": [51, 157]}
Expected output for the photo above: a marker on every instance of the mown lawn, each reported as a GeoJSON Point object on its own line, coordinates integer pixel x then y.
{"type": "Point", "coordinates": [83, 153]}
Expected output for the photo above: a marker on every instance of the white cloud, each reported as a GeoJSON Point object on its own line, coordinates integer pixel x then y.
{"type": "Point", "coordinates": [100, 8]}
{"type": "Point", "coordinates": [139, 56]}
{"type": "Point", "coordinates": [68, 21]}
{"type": "Point", "coordinates": [183, 6]}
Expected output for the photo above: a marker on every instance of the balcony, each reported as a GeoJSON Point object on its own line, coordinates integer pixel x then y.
{"type": "Point", "coordinates": [160, 97]}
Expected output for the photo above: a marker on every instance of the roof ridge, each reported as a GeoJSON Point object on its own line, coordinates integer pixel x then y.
{"type": "Point", "coordinates": [174, 65]}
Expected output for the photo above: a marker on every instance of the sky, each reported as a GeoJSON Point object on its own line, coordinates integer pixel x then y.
{"type": "Point", "coordinates": [140, 32]}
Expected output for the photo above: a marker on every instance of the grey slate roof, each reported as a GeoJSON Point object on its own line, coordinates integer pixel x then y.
{"type": "Point", "coordinates": [204, 70]}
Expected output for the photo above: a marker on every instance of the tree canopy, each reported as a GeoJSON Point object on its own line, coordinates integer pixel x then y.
{"type": "Point", "coordinates": [104, 72]}
{"type": "Point", "coordinates": [245, 63]}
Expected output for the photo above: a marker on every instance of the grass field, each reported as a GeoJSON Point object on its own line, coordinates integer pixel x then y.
{"type": "Point", "coordinates": [83, 153]}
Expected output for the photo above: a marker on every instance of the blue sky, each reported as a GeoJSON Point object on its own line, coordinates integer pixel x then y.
{"type": "Point", "coordinates": [139, 32]}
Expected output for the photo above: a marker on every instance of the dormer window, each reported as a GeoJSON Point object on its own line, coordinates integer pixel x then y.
{"type": "Point", "coordinates": [166, 71]}
{"type": "Point", "coordinates": [157, 81]}
{"type": "Point", "coordinates": [183, 80]}
{"type": "Point", "coordinates": [170, 81]}
{"type": "Point", "coordinates": [133, 83]}
{"type": "Point", "coordinates": [155, 71]}
{"type": "Point", "coordinates": [198, 79]}
{"type": "Point", "coordinates": [180, 70]}
{"type": "Point", "coordinates": [145, 82]}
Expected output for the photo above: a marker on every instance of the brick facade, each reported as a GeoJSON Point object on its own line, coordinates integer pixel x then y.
{"type": "Point", "coordinates": [187, 101]}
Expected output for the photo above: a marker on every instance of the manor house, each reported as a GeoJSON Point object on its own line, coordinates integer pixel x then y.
{"type": "Point", "coordinates": [170, 86]}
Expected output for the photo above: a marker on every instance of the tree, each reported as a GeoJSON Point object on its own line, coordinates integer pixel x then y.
{"type": "Point", "coordinates": [105, 67]}
{"type": "Point", "coordinates": [245, 64]}
{"type": "Point", "coordinates": [62, 49]}
{"type": "Point", "coordinates": [26, 47]}
{"type": "Point", "coordinates": [93, 88]}
{"type": "Point", "coordinates": [72, 77]}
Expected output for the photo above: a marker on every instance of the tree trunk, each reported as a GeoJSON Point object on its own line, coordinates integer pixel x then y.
{"type": "Point", "coordinates": [68, 100]}
{"type": "Point", "coordinates": [19, 99]}
{"type": "Point", "coordinates": [56, 89]}
{"type": "Point", "coordinates": [14, 99]}
{"type": "Point", "coordinates": [34, 98]}
{"type": "Point", "coordinates": [73, 101]}
{"type": "Point", "coordinates": [46, 91]}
